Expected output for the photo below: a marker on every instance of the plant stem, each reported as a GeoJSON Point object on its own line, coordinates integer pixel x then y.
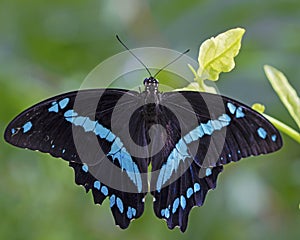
{"type": "Point", "coordinates": [284, 128]}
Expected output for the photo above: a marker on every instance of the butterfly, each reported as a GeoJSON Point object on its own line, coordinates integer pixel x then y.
{"type": "Point", "coordinates": [111, 137]}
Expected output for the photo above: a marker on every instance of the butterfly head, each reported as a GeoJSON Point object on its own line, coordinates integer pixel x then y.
{"type": "Point", "coordinates": [151, 84]}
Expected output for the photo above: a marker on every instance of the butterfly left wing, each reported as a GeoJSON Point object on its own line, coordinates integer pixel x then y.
{"type": "Point", "coordinates": [77, 127]}
{"type": "Point", "coordinates": [202, 132]}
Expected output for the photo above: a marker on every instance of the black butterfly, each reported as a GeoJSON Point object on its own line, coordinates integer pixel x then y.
{"type": "Point", "coordinates": [186, 136]}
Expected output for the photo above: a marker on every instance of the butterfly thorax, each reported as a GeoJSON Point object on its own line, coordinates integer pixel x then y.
{"type": "Point", "coordinates": [151, 99]}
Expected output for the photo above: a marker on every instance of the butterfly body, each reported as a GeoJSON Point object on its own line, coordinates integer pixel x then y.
{"type": "Point", "coordinates": [110, 136]}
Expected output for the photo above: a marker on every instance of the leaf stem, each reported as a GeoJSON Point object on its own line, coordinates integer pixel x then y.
{"type": "Point", "coordinates": [284, 128]}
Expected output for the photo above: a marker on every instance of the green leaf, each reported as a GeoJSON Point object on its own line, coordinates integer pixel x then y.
{"type": "Point", "coordinates": [285, 91]}
{"type": "Point", "coordinates": [217, 54]}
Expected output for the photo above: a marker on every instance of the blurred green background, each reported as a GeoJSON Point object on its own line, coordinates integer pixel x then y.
{"type": "Point", "coordinates": [48, 47]}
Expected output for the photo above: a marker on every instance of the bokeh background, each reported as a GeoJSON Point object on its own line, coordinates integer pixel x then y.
{"type": "Point", "coordinates": [48, 47]}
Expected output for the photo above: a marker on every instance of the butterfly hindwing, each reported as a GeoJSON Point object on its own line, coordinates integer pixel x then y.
{"type": "Point", "coordinates": [77, 127]}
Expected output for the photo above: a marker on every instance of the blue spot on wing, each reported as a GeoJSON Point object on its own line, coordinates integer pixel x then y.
{"type": "Point", "coordinates": [104, 190]}
{"type": "Point", "coordinates": [274, 137]}
{"type": "Point", "coordinates": [175, 205]}
{"type": "Point", "coordinates": [197, 187]}
{"type": "Point", "coordinates": [85, 168]}
{"type": "Point", "coordinates": [182, 202]}
{"type": "Point", "coordinates": [189, 192]}
{"type": "Point", "coordinates": [97, 185]}
{"type": "Point", "coordinates": [63, 103]}
{"type": "Point", "coordinates": [26, 127]}
{"type": "Point", "coordinates": [262, 133]}
{"type": "Point", "coordinates": [231, 107]}
{"type": "Point", "coordinates": [70, 113]}
{"type": "Point", "coordinates": [54, 108]}
{"type": "Point", "coordinates": [208, 172]}
{"type": "Point", "coordinates": [120, 205]}
{"type": "Point", "coordinates": [112, 200]}
{"type": "Point", "coordinates": [239, 113]}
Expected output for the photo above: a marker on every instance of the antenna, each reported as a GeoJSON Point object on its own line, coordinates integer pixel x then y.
{"type": "Point", "coordinates": [185, 52]}
{"type": "Point", "coordinates": [134, 55]}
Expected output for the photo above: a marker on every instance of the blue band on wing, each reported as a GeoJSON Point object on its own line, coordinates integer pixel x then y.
{"type": "Point", "coordinates": [117, 150]}
{"type": "Point", "coordinates": [180, 152]}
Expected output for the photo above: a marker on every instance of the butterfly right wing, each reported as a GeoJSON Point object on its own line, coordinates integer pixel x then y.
{"type": "Point", "coordinates": [77, 127]}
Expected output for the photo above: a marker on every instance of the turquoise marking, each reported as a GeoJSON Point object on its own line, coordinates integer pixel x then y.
{"type": "Point", "coordinates": [216, 124]}
{"type": "Point", "coordinates": [89, 125]}
{"type": "Point", "coordinates": [162, 212]}
{"type": "Point", "coordinates": [70, 113]}
{"type": "Point", "coordinates": [133, 212]}
{"type": "Point", "coordinates": [197, 187]}
{"type": "Point", "coordinates": [262, 133]}
{"type": "Point", "coordinates": [175, 205]}
{"type": "Point", "coordinates": [189, 192]}
{"type": "Point", "coordinates": [120, 205]}
{"type": "Point", "coordinates": [231, 107]}
{"type": "Point", "coordinates": [104, 190]}
{"type": "Point", "coordinates": [239, 113]}
{"type": "Point", "coordinates": [187, 138]}
{"type": "Point", "coordinates": [129, 213]}
{"type": "Point", "coordinates": [207, 128]}
{"type": "Point", "coordinates": [97, 185]}
{"type": "Point", "coordinates": [79, 121]}
{"type": "Point", "coordinates": [196, 133]}
{"type": "Point", "coordinates": [112, 200]}
{"type": "Point", "coordinates": [239, 152]}
{"type": "Point", "coordinates": [110, 137]}
{"type": "Point", "coordinates": [182, 147]}
{"type": "Point", "coordinates": [127, 163]}
{"type": "Point", "coordinates": [180, 152]}
{"type": "Point", "coordinates": [116, 146]}
{"type": "Point", "coordinates": [224, 120]}
{"type": "Point", "coordinates": [167, 213]}
{"type": "Point", "coordinates": [208, 172]}
{"type": "Point", "coordinates": [168, 168]}
{"type": "Point", "coordinates": [63, 151]}
{"type": "Point", "coordinates": [274, 137]}
{"type": "Point", "coordinates": [117, 150]}
{"type": "Point", "coordinates": [85, 168]}
{"type": "Point", "coordinates": [101, 131]}
{"type": "Point", "coordinates": [13, 131]}
{"type": "Point", "coordinates": [26, 127]}
{"type": "Point", "coordinates": [53, 146]}
{"type": "Point", "coordinates": [229, 155]}
{"type": "Point", "coordinates": [63, 103]}
{"type": "Point", "coordinates": [182, 202]}
{"type": "Point", "coordinates": [54, 108]}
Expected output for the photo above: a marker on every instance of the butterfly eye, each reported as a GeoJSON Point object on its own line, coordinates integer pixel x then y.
{"type": "Point", "coordinates": [146, 81]}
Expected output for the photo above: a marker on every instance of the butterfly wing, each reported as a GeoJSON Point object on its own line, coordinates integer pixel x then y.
{"type": "Point", "coordinates": [77, 127]}
{"type": "Point", "coordinates": [202, 133]}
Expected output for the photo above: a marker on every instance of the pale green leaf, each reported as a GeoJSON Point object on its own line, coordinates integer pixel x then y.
{"type": "Point", "coordinates": [217, 54]}
{"type": "Point", "coordinates": [285, 91]}
{"type": "Point", "coordinates": [194, 86]}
